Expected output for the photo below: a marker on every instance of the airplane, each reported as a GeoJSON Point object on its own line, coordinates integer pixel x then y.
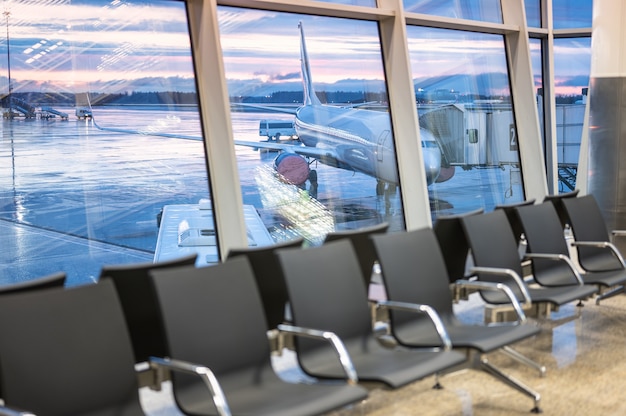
{"type": "Point", "coordinates": [349, 138]}
{"type": "Point", "coordinates": [345, 137]}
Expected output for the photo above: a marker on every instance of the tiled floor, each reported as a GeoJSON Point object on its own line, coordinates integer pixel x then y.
{"type": "Point", "coordinates": [582, 349]}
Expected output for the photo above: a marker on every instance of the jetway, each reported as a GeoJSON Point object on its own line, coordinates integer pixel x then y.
{"type": "Point", "coordinates": [476, 135]}
{"type": "Point", "coordinates": [484, 135]}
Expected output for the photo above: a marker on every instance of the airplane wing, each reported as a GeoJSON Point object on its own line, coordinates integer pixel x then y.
{"type": "Point", "coordinates": [328, 155]}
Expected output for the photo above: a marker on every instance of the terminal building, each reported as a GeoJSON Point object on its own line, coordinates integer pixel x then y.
{"type": "Point", "coordinates": [140, 132]}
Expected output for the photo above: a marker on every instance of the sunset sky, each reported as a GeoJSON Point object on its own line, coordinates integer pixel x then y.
{"type": "Point", "coordinates": [121, 45]}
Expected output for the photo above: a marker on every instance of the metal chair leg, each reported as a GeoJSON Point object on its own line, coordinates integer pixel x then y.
{"type": "Point", "coordinates": [524, 360]}
{"type": "Point", "coordinates": [511, 382]}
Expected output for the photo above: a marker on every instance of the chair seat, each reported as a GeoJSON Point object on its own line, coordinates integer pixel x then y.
{"type": "Point", "coordinates": [374, 362]}
{"type": "Point", "coordinates": [605, 278]}
{"type": "Point", "coordinates": [556, 295]}
{"type": "Point", "coordinates": [259, 396]}
{"type": "Point", "coordinates": [479, 337]}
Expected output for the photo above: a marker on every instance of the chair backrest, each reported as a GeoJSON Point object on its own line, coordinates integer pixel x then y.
{"type": "Point", "coordinates": [557, 201]}
{"type": "Point", "coordinates": [212, 316]}
{"type": "Point", "coordinates": [511, 213]}
{"type": "Point", "coordinates": [451, 238]}
{"type": "Point", "coordinates": [362, 244]}
{"type": "Point", "coordinates": [414, 271]}
{"type": "Point", "coordinates": [269, 278]}
{"type": "Point", "coordinates": [492, 244]}
{"type": "Point", "coordinates": [588, 224]}
{"type": "Point", "coordinates": [43, 282]}
{"type": "Point", "coordinates": [544, 234]}
{"type": "Point", "coordinates": [67, 352]}
{"type": "Point", "coordinates": [326, 290]}
{"type": "Point", "coordinates": [134, 289]}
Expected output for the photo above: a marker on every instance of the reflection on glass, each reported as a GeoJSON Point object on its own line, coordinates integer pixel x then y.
{"type": "Point", "coordinates": [572, 63]}
{"type": "Point", "coordinates": [533, 12]}
{"type": "Point", "coordinates": [569, 14]}
{"type": "Point", "coordinates": [484, 10]}
{"type": "Point", "coordinates": [536, 61]}
{"type": "Point", "coordinates": [100, 133]}
{"type": "Point", "coordinates": [463, 98]}
{"type": "Point", "coordinates": [322, 79]}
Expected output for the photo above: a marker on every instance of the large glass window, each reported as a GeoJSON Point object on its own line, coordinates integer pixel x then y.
{"type": "Point", "coordinates": [533, 12]}
{"type": "Point", "coordinates": [572, 62]}
{"type": "Point", "coordinates": [100, 135]}
{"type": "Point", "coordinates": [464, 104]}
{"type": "Point", "coordinates": [569, 14]}
{"type": "Point", "coordinates": [484, 10]}
{"type": "Point", "coordinates": [536, 60]}
{"type": "Point", "coordinates": [311, 123]}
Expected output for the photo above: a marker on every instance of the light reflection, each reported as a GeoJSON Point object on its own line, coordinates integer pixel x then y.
{"type": "Point", "coordinates": [305, 215]}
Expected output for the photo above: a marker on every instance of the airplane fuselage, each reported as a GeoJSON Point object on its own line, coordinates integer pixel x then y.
{"type": "Point", "coordinates": [361, 140]}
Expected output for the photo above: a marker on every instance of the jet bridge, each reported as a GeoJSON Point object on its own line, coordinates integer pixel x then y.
{"type": "Point", "coordinates": [473, 135]}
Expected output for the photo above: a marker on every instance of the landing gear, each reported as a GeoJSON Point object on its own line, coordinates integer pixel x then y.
{"type": "Point", "coordinates": [385, 188]}
{"type": "Point", "coordinates": [313, 183]}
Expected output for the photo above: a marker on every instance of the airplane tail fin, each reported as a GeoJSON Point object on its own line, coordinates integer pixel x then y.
{"type": "Point", "coordinates": [309, 93]}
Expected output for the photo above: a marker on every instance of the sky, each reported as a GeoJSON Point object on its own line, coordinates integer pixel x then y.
{"type": "Point", "coordinates": [125, 45]}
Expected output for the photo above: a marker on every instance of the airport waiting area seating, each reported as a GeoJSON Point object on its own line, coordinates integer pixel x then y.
{"type": "Point", "coordinates": [414, 271]}
{"type": "Point", "coordinates": [214, 316]}
{"type": "Point", "coordinates": [269, 279]}
{"type": "Point", "coordinates": [67, 352]}
{"type": "Point", "coordinates": [550, 255]}
{"type": "Point", "coordinates": [496, 258]}
{"type": "Point", "coordinates": [40, 282]}
{"type": "Point", "coordinates": [557, 201]}
{"type": "Point", "coordinates": [596, 253]}
{"type": "Point", "coordinates": [362, 243]}
{"type": "Point", "coordinates": [133, 286]}
{"type": "Point", "coordinates": [450, 234]}
{"type": "Point", "coordinates": [327, 296]}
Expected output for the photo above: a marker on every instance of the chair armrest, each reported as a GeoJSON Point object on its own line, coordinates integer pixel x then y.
{"type": "Point", "coordinates": [618, 233]}
{"type": "Point", "coordinates": [333, 339]}
{"type": "Point", "coordinates": [424, 309]}
{"type": "Point", "coordinates": [7, 411]}
{"type": "Point", "coordinates": [602, 244]}
{"type": "Point", "coordinates": [558, 257]}
{"type": "Point", "coordinates": [496, 287]}
{"type": "Point", "coordinates": [217, 394]}
{"type": "Point", "coordinates": [506, 272]}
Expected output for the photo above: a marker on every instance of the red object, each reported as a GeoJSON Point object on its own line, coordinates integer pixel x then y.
{"type": "Point", "coordinates": [294, 169]}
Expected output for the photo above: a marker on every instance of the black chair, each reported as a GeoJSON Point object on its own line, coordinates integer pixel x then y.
{"type": "Point", "coordinates": [362, 244]}
{"type": "Point", "coordinates": [327, 296]}
{"type": "Point", "coordinates": [132, 282]}
{"type": "Point", "coordinates": [496, 259]}
{"type": "Point", "coordinates": [67, 352]}
{"type": "Point", "coordinates": [414, 271]}
{"type": "Point", "coordinates": [214, 316]}
{"type": "Point", "coordinates": [511, 213]}
{"type": "Point", "coordinates": [557, 201]}
{"type": "Point", "coordinates": [595, 251]}
{"type": "Point", "coordinates": [42, 282]}
{"type": "Point", "coordinates": [269, 278]}
{"type": "Point", "coordinates": [450, 234]}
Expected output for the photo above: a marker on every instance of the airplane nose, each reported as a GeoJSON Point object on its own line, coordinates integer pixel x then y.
{"type": "Point", "coordinates": [432, 164]}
